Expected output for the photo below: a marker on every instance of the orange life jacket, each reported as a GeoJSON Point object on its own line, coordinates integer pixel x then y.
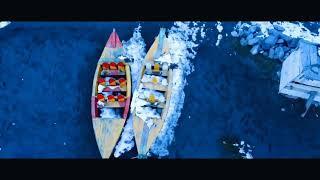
{"type": "Point", "coordinates": [112, 82]}
{"type": "Point", "coordinates": [121, 66]}
{"type": "Point", "coordinates": [121, 98]}
{"type": "Point", "coordinates": [111, 98]}
{"type": "Point", "coordinates": [113, 66]}
{"type": "Point", "coordinates": [122, 82]}
{"type": "Point", "coordinates": [105, 65]}
{"type": "Point", "coordinates": [100, 97]}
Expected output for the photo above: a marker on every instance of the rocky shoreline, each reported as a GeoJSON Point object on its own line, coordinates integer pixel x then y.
{"type": "Point", "coordinates": [275, 45]}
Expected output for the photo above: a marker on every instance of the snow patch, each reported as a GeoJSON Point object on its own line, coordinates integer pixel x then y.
{"type": "Point", "coordinates": [219, 28]}
{"type": "Point", "coordinates": [4, 24]}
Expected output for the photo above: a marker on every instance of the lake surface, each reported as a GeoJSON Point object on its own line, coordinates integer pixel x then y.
{"type": "Point", "coordinates": [46, 72]}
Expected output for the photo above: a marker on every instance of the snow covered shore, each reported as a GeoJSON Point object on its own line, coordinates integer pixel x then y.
{"type": "Point", "coordinates": [274, 40]}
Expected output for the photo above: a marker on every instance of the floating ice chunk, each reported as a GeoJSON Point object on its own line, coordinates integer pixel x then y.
{"type": "Point", "coordinates": [242, 142]}
{"type": "Point", "coordinates": [202, 33]}
{"type": "Point", "coordinates": [241, 150]}
{"type": "Point", "coordinates": [4, 24]}
{"type": "Point", "coordinates": [219, 26]}
{"type": "Point", "coordinates": [219, 39]}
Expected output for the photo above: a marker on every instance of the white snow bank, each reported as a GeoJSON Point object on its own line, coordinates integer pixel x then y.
{"type": "Point", "coordinates": [4, 24]}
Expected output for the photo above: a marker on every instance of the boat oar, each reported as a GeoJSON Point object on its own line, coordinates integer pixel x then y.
{"type": "Point", "coordinates": [309, 102]}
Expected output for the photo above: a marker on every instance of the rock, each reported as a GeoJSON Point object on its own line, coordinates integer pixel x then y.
{"type": "Point", "coordinates": [252, 28]}
{"type": "Point", "coordinates": [271, 53]}
{"type": "Point", "coordinates": [293, 43]}
{"type": "Point", "coordinates": [280, 41]}
{"type": "Point", "coordinates": [279, 28]}
{"type": "Point", "coordinates": [285, 49]}
{"type": "Point", "coordinates": [278, 53]}
{"type": "Point", "coordinates": [285, 37]}
{"type": "Point", "coordinates": [258, 33]}
{"type": "Point", "coordinates": [254, 49]}
{"type": "Point", "coordinates": [240, 32]}
{"type": "Point", "coordinates": [243, 42]}
{"type": "Point", "coordinates": [270, 40]}
{"type": "Point", "coordinates": [250, 36]}
{"type": "Point", "coordinates": [274, 32]}
{"type": "Point", "coordinates": [234, 34]}
{"type": "Point", "coordinates": [254, 41]}
{"type": "Point", "coordinates": [265, 53]}
{"type": "Point", "coordinates": [246, 33]}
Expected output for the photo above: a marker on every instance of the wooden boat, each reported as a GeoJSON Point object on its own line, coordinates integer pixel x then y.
{"type": "Point", "coordinates": [111, 93]}
{"type": "Point", "coordinates": [145, 135]}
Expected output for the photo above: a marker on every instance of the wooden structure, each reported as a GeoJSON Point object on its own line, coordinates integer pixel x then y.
{"type": "Point", "coordinates": [300, 74]}
{"type": "Point", "coordinates": [108, 129]}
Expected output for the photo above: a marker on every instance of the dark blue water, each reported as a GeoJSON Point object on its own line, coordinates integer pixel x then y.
{"type": "Point", "coordinates": [46, 72]}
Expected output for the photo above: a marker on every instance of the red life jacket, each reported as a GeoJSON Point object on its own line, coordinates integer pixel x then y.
{"type": "Point", "coordinates": [105, 65]}
{"type": "Point", "coordinates": [111, 98]}
{"type": "Point", "coordinates": [121, 98]}
{"type": "Point", "coordinates": [101, 80]}
{"type": "Point", "coordinates": [112, 82]}
{"type": "Point", "coordinates": [113, 66]}
{"type": "Point", "coordinates": [122, 80]}
{"type": "Point", "coordinates": [121, 66]}
{"type": "Point", "coordinates": [100, 97]}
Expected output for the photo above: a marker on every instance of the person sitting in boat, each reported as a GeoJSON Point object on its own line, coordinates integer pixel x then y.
{"type": "Point", "coordinates": [101, 81]}
{"type": "Point", "coordinates": [111, 98]}
{"type": "Point", "coordinates": [121, 98]}
{"type": "Point", "coordinates": [100, 97]}
{"type": "Point", "coordinates": [113, 66]}
{"type": "Point", "coordinates": [122, 82]}
{"type": "Point", "coordinates": [112, 82]}
{"type": "Point", "coordinates": [105, 68]}
{"type": "Point", "coordinates": [121, 66]}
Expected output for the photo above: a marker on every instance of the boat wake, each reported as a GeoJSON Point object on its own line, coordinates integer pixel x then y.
{"type": "Point", "coordinates": [134, 50]}
{"type": "Point", "coordinates": [183, 40]}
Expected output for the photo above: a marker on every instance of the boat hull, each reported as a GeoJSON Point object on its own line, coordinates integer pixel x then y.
{"type": "Point", "coordinates": [108, 130]}
{"type": "Point", "coordinates": [145, 136]}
